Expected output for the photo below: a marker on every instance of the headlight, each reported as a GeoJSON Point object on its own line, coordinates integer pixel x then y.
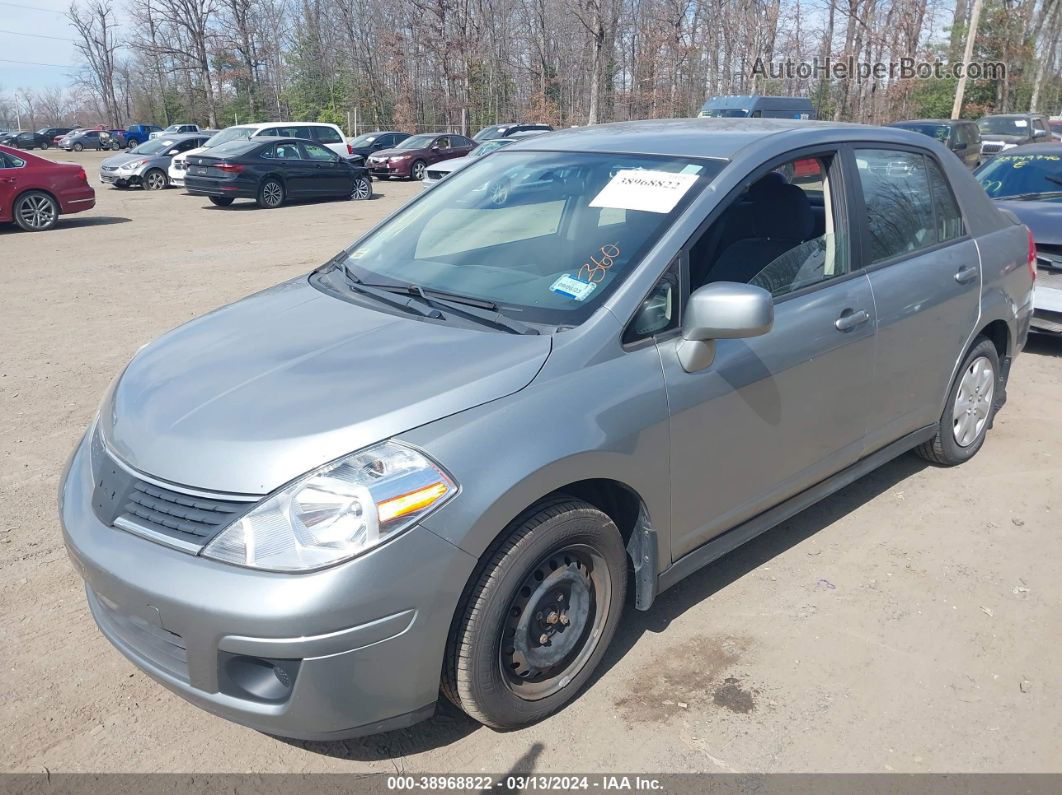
{"type": "Point", "coordinates": [130, 166]}
{"type": "Point", "coordinates": [336, 512]}
{"type": "Point", "coordinates": [396, 158]}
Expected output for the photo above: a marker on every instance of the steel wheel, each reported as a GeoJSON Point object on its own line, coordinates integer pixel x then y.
{"type": "Point", "coordinates": [154, 180]}
{"type": "Point", "coordinates": [973, 401]}
{"type": "Point", "coordinates": [418, 169]}
{"type": "Point", "coordinates": [555, 621]}
{"type": "Point", "coordinates": [362, 189]}
{"type": "Point", "coordinates": [36, 212]}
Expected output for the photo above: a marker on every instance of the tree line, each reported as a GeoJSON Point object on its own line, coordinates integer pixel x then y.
{"type": "Point", "coordinates": [461, 64]}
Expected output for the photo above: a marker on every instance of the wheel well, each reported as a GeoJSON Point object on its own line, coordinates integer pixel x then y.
{"type": "Point", "coordinates": [999, 334]}
{"type": "Point", "coordinates": [617, 500]}
{"type": "Point", "coordinates": [47, 193]}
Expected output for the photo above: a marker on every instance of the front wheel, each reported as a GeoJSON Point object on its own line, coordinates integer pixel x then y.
{"type": "Point", "coordinates": [44, 146]}
{"type": "Point", "coordinates": [154, 180]}
{"type": "Point", "coordinates": [36, 211]}
{"type": "Point", "coordinates": [969, 410]}
{"type": "Point", "coordinates": [115, 146]}
{"type": "Point", "coordinates": [78, 147]}
{"type": "Point", "coordinates": [535, 623]}
{"type": "Point", "coordinates": [221, 201]}
{"type": "Point", "coordinates": [271, 194]}
{"type": "Point", "coordinates": [362, 189]}
{"type": "Point", "coordinates": [417, 170]}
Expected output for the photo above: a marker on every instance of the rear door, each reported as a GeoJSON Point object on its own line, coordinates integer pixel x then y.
{"type": "Point", "coordinates": [294, 168]}
{"type": "Point", "coordinates": [926, 276]}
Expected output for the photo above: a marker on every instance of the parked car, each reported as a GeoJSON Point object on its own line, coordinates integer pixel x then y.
{"type": "Point", "coordinates": [8, 138]}
{"type": "Point", "coordinates": [1027, 181]}
{"type": "Point", "coordinates": [289, 511]}
{"type": "Point", "coordinates": [411, 157]}
{"type": "Point", "coordinates": [271, 170]}
{"type": "Point", "coordinates": [34, 192]}
{"type": "Point", "coordinates": [961, 136]}
{"type": "Point", "coordinates": [136, 134]}
{"type": "Point", "coordinates": [505, 130]}
{"type": "Point", "coordinates": [174, 129]}
{"type": "Point", "coordinates": [364, 145]}
{"type": "Point", "coordinates": [179, 162]}
{"type": "Point", "coordinates": [147, 165]}
{"type": "Point", "coordinates": [757, 106]}
{"type": "Point", "coordinates": [86, 139]}
{"type": "Point", "coordinates": [1008, 130]}
{"type": "Point", "coordinates": [115, 138]}
{"type": "Point", "coordinates": [42, 139]}
{"type": "Point", "coordinates": [445, 168]}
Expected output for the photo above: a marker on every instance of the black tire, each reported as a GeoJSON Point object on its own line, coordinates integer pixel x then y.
{"type": "Point", "coordinates": [44, 146]}
{"type": "Point", "coordinates": [569, 551]}
{"type": "Point", "coordinates": [154, 179]}
{"type": "Point", "coordinates": [78, 146]}
{"type": "Point", "coordinates": [221, 201]}
{"type": "Point", "coordinates": [115, 146]}
{"type": "Point", "coordinates": [132, 143]}
{"type": "Point", "coordinates": [416, 171]}
{"type": "Point", "coordinates": [35, 211]}
{"type": "Point", "coordinates": [270, 193]}
{"type": "Point", "coordinates": [362, 190]}
{"type": "Point", "coordinates": [948, 448]}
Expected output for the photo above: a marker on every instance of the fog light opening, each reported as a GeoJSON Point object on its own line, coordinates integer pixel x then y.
{"type": "Point", "coordinates": [257, 678]}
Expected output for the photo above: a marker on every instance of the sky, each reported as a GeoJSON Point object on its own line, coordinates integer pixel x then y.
{"type": "Point", "coordinates": [37, 32]}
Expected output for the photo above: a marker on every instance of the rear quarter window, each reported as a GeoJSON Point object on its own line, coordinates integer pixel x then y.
{"type": "Point", "coordinates": [327, 135]}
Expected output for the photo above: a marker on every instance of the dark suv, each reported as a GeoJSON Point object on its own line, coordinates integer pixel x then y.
{"type": "Point", "coordinates": [1007, 130]}
{"type": "Point", "coordinates": [505, 130]}
{"type": "Point", "coordinates": [960, 136]}
{"type": "Point", "coordinates": [42, 139]}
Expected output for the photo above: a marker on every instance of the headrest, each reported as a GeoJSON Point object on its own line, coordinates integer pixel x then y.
{"type": "Point", "coordinates": [782, 212]}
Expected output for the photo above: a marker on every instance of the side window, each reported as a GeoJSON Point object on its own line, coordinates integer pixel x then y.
{"type": "Point", "coordinates": [897, 198]}
{"type": "Point", "coordinates": [300, 132]}
{"type": "Point", "coordinates": [949, 219]}
{"type": "Point", "coordinates": [327, 135]}
{"type": "Point", "coordinates": [782, 234]}
{"type": "Point", "coordinates": [286, 152]}
{"type": "Point", "coordinates": [271, 132]}
{"type": "Point", "coordinates": [318, 152]}
{"type": "Point", "coordinates": [958, 134]}
{"type": "Point", "coordinates": [443, 142]}
{"type": "Point", "coordinates": [191, 143]}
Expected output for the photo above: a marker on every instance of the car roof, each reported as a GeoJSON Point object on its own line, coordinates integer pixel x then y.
{"type": "Point", "coordinates": [930, 121]}
{"type": "Point", "coordinates": [261, 125]}
{"type": "Point", "coordinates": [704, 137]}
{"type": "Point", "coordinates": [182, 136]}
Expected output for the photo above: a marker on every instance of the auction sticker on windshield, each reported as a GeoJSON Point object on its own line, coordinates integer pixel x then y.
{"type": "Point", "coordinates": [645, 190]}
{"type": "Point", "coordinates": [568, 285]}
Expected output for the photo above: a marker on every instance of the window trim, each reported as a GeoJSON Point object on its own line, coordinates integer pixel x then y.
{"type": "Point", "coordinates": [680, 272]}
{"type": "Point", "coordinates": [859, 205]}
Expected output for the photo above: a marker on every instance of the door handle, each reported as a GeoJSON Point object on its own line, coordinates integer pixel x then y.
{"type": "Point", "coordinates": [967, 273]}
{"type": "Point", "coordinates": [850, 318]}
{"type": "Point", "coordinates": [8, 179]}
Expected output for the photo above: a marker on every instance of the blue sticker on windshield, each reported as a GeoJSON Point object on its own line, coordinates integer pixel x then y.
{"type": "Point", "coordinates": [570, 287]}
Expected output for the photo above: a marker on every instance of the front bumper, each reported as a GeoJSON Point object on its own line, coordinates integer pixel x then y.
{"type": "Point", "coordinates": [360, 644]}
{"type": "Point", "coordinates": [120, 178]}
{"type": "Point", "coordinates": [389, 169]}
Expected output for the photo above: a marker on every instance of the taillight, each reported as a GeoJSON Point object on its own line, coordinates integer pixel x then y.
{"type": "Point", "coordinates": [1032, 254]}
{"type": "Point", "coordinates": [82, 175]}
{"type": "Point", "coordinates": [229, 168]}
{"type": "Point", "coordinates": [350, 149]}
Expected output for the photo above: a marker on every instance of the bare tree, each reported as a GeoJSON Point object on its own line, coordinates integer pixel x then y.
{"type": "Point", "coordinates": [98, 42]}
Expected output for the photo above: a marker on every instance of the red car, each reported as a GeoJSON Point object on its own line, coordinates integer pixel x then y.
{"type": "Point", "coordinates": [413, 155]}
{"type": "Point", "coordinates": [34, 192]}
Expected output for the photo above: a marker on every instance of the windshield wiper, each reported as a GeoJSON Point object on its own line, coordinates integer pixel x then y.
{"type": "Point", "coordinates": [485, 311]}
{"type": "Point", "coordinates": [1054, 179]}
{"type": "Point", "coordinates": [389, 295]}
{"type": "Point", "coordinates": [1047, 194]}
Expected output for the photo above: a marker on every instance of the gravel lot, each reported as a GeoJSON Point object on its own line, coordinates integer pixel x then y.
{"type": "Point", "coordinates": [909, 623]}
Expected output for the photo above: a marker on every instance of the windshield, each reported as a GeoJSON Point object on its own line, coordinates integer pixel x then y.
{"type": "Point", "coordinates": [1004, 125]}
{"type": "Point", "coordinates": [490, 146]}
{"type": "Point", "coordinates": [725, 113]}
{"type": "Point", "coordinates": [545, 236]}
{"type": "Point", "coordinates": [1015, 175]}
{"type": "Point", "coordinates": [154, 146]}
{"type": "Point", "coordinates": [494, 131]}
{"type": "Point", "coordinates": [938, 131]}
{"type": "Point", "coordinates": [229, 134]}
{"type": "Point", "coordinates": [363, 140]}
{"type": "Point", "coordinates": [416, 142]}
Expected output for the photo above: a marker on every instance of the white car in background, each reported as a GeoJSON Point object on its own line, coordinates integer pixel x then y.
{"type": "Point", "coordinates": [328, 135]}
{"type": "Point", "coordinates": [173, 129]}
{"type": "Point", "coordinates": [444, 168]}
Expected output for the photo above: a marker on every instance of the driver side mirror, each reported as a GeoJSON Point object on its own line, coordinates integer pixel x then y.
{"type": "Point", "coordinates": [721, 310]}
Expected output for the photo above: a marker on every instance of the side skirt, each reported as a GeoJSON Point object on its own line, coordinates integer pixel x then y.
{"type": "Point", "coordinates": [735, 537]}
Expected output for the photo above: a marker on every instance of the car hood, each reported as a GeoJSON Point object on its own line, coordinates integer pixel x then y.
{"type": "Point", "coordinates": [124, 157]}
{"type": "Point", "coordinates": [1044, 218]}
{"type": "Point", "coordinates": [250, 396]}
{"type": "Point", "coordinates": [381, 153]}
{"type": "Point", "coordinates": [453, 164]}
{"type": "Point", "coordinates": [988, 138]}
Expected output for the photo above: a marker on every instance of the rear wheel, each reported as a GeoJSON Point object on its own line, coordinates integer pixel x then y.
{"type": "Point", "coordinates": [45, 145]}
{"type": "Point", "coordinates": [362, 189]}
{"type": "Point", "coordinates": [155, 179]}
{"type": "Point", "coordinates": [417, 170]}
{"type": "Point", "coordinates": [115, 146]}
{"type": "Point", "coordinates": [969, 410]}
{"type": "Point", "coordinates": [36, 211]}
{"type": "Point", "coordinates": [221, 201]}
{"type": "Point", "coordinates": [535, 623]}
{"type": "Point", "coordinates": [132, 143]}
{"type": "Point", "coordinates": [271, 193]}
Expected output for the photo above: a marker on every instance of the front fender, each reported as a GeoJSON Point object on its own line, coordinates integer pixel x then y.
{"type": "Point", "coordinates": [608, 419]}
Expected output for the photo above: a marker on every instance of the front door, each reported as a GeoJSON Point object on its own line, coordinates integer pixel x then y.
{"type": "Point", "coordinates": [331, 178]}
{"type": "Point", "coordinates": [773, 415]}
{"type": "Point", "coordinates": [926, 276]}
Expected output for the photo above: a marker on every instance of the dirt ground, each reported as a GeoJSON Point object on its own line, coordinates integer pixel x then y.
{"type": "Point", "coordinates": [912, 622]}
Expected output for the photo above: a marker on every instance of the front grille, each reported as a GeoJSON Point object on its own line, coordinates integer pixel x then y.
{"type": "Point", "coordinates": [436, 175]}
{"type": "Point", "coordinates": [121, 499]}
{"type": "Point", "coordinates": [160, 647]}
{"type": "Point", "coordinates": [989, 148]}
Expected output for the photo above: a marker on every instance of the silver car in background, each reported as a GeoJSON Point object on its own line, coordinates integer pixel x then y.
{"type": "Point", "coordinates": [147, 165]}
{"type": "Point", "coordinates": [586, 366]}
